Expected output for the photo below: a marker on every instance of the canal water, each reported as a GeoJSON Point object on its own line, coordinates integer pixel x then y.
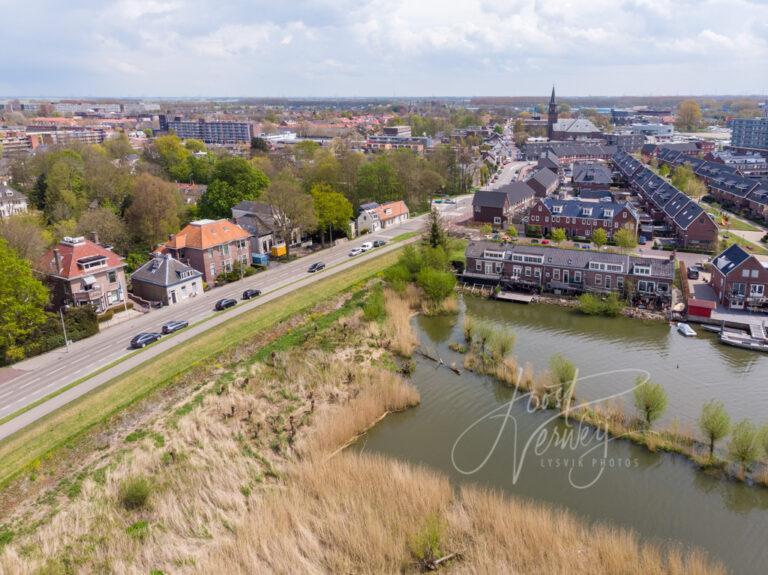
{"type": "Point", "coordinates": [478, 431]}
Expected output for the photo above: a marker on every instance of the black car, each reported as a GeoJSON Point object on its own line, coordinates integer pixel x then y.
{"type": "Point", "coordinates": [379, 243]}
{"type": "Point", "coordinates": [225, 303]}
{"type": "Point", "coordinates": [316, 267]}
{"type": "Point", "coordinates": [249, 293]}
{"type": "Point", "coordinates": [174, 325]}
{"type": "Point", "coordinates": [144, 339]}
{"type": "Point", "coordinates": [693, 274]}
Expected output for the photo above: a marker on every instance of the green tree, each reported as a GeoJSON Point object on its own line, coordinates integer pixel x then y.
{"type": "Point", "coordinates": [714, 423]}
{"type": "Point", "coordinates": [625, 237]}
{"type": "Point", "coordinates": [599, 237]}
{"type": "Point", "coordinates": [108, 225]}
{"type": "Point", "coordinates": [436, 234]}
{"type": "Point", "coordinates": [22, 303]}
{"type": "Point", "coordinates": [681, 175]}
{"type": "Point", "coordinates": [119, 147]}
{"type": "Point", "coordinates": [437, 285]}
{"type": "Point", "coordinates": [512, 231]}
{"type": "Point", "coordinates": [688, 118]}
{"type": "Point", "coordinates": [743, 446]}
{"type": "Point", "coordinates": [558, 235]}
{"type": "Point", "coordinates": [650, 400]}
{"type": "Point", "coordinates": [377, 181]}
{"type": "Point", "coordinates": [259, 144]}
{"type": "Point", "coordinates": [63, 186]}
{"type": "Point", "coordinates": [194, 145]}
{"type": "Point", "coordinates": [233, 181]}
{"type": "Point", "coordinates": [293, 209]}
{"type": "Point", "coordinates": [171, 154]}
{"type": "Point", "coordinates": [154, 211]}
{"type": "Point", "coordinates": [332, 210]}
{"type": "Point", "coordinates": [664, 170]}
{"type": "Point", "coordinates": [26, 234]}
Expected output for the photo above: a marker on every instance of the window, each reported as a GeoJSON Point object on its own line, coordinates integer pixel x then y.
{"type": "Point", "coordinates": [533, 259]}
{"type": "Point", "coordinates": [496, 220]}
{"type": "Point", "coordinates": [577, 277]}
{"type": "Point", "coordinates": [745, 273]}
{"type": "Point", "coordinates": [756, 290]}
{"type": "Point", "coordinates": [607, 281]}
{"type": "Point", "coordinates": [478, 265]}
{"type": "Point", "coordinates": [516, 271]}
{"type": "Point", "coordinates": [755, 273]}
{"type": "Point", "coordinates": [598, 279]}
{"type": "Point", "coordinates": [620, 282]}
{"type": "Point", "coordinates": [527, 271]}
{"type": "Point", "coordinates": [640, 270]}
{"type": "Point", "coordinates": [556, 209]}
{"type": "Point", "coordinates": [537, 273]}
{"type": "Point", "coordinates": [213, 269]}
{"type": "Point", "coordinates": [112, 277]}
{"type": "Point", "coordinates": [498, 267]}
{"type": "Point", "coordinates": [493, 255]}
{"type": "Point", "coordinates": [605, 267]}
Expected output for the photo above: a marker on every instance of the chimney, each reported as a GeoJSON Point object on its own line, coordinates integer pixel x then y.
{"type": "Point", "coordinates": [95, 237]}
{"type": "Point", "coordinates": [170, 237]}
{"type": "Point", "coordinates": [57, 259]}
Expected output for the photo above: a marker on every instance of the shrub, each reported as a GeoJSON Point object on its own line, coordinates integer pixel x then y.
{"type": "Point", "coordinates": [438, 285]}
{"type": "Point", "coordinates": [374, 308]}
{"type": "Point", "coordinates": [426, 544]}
{"type": "Point", "coordinates": [743, 445]}
{"type": "Point", "coordinates": [138, 530]}
{"type": "Point", "coordinates": [134, 492]}
{"type": "Point", "coordinates": [591, 304]}
{"type": "Point", "coordinates": [650, 400]}
{"type": "Point", "coordinates": [714, 423]}
{"type": "Point", "coordinates": [558, 235]}
{"type": "Point", "coordinates": [397, 276]}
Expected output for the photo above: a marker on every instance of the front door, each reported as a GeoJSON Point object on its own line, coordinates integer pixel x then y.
{"type": "Point", "coordinates": [488, 268]}
{"type": "Point", "coordinates": [173, 296]}
{"type": "Point", "coordinates": [566, 276]}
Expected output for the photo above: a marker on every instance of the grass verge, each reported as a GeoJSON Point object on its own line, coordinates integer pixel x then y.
{"type": "Point", "coordinates": [27, 448]}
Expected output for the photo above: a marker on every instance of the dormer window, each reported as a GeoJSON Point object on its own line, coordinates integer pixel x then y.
{"type": "Point", "coordinates": [586, 211]}
{"type": "Point", "coordinates": [608, 213]}
{"type": "Point", "coordinates": [557, 209]}
{"type": "Point", "coordinates": [92, 262]}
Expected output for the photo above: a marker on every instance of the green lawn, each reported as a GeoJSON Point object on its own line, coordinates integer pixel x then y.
{"type": "Point", "coordinates": [749, 246]}
{"type": "Point", "coordinates": [26, 449]}
{"type": "Point", "coordinates": [733, 223]}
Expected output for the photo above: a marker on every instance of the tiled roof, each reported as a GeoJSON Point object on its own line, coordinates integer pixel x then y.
{"type": "Point", "coordinates": [163, 270]}
{"type": "Point", "coordinates": [391, 210]}
{"type": "Point", "coordinates": [574, 208]}
{"type": "Point", "coordinates": [545, 178]}
{"type": "Point", "coordinates": [575, 126]}
{"type": "Point", "coordinates": [591, 173]}
{"type": "Point", "coordinates": [74, 250]}
{"type": "Point", "coordinates": [204, 234]}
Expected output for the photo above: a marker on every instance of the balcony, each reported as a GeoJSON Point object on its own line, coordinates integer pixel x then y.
{"type": "Point", "coordinates": [87, 296]}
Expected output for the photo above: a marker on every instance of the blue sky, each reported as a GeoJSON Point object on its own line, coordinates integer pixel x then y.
{"type": "Point", "coordinates": [382, 47]}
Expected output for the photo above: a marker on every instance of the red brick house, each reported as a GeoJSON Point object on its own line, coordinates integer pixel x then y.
{"type": "Point", "coordinates": [579, 218]}
{"type": "Point", "coordinates": [740, 279]}
{"type": "Point", "coordinates": [82, 272]}
{"type": "Point", "coordinates": [212, 247]}
{"type": "Point", "coordinates": [498, 206]}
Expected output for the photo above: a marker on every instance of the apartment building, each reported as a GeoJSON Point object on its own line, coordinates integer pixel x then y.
{"type": "Point", "coordinates": [222, 133]}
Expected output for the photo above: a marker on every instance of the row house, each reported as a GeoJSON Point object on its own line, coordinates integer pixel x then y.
{"type": "Point", "coordinates": [682, 218]}
{"type": "Point", "coordinates": [579, 218]}
{"type": "Point", "coordinates": [211, 247]}
{"type": "Point", "coordinates": [568, 152]}
{"type": "Point", "coordinates": [83, 272]}
{"type": "Point", "coordinates": [499, 206]}
{"type": "Point", "coordinates": [544, 182]}
{"type": "Point", "coordinates": [591, 176]}
{"type": "Point", "coordinates": [739, 279]}
{"type": "Point", "coordinates": [541, 268]}
{"type": "Point", "coordinates": [726, 183]}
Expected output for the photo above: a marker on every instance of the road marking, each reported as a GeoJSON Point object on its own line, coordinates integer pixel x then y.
{"type": "Point", "coordinates": [58, 369]}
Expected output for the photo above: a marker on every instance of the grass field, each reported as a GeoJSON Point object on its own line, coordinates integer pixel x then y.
{"type": "Point", "coordinates": [750, 246]}
{"type": "Point", "coordinates": [26, 449]}
{"type": "Point", "coordinates": [733, 223]}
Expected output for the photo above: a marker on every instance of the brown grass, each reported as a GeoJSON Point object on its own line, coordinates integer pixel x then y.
{"type": "Point", "coordinates": [358, 514]}
{"type": "Point", "coordinates": [402, 338]}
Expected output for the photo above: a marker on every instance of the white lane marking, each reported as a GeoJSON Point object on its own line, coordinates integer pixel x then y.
{"type": "Point", "coordinates": [58, 369]}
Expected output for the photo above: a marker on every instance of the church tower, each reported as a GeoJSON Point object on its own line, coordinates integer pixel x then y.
{"type": "Point", "coordinates": [551, 115]}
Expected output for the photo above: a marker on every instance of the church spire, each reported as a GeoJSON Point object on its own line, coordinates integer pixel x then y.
{"type": "Point", "coordinates": [552, 98]}
{"type": "Point", "coordinates": [551, 115]}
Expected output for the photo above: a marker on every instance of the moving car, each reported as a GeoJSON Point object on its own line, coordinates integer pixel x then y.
{"type": "Point", "coordinates": [366, 246]}
{"type": "Point", "coordinates": [144, 339]}
{"type": "Point", "coordinates": [175, 325]}
{"type": "Point", "coordinates": [379, 243]}
{"type": "Point", "coordinates": [355, 252]}
{"type": "Point", "coordinates": [249, 293]}
{"type": "Point", "coordinates": [316, 267]}
{"type": "Point", "coordinates": [225, 303]}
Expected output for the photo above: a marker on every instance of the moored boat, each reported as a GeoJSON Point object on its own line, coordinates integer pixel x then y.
{"type": "Point", "coordinates": [685, 329]}
{"type": "Point", "coordinates": [743, 341]}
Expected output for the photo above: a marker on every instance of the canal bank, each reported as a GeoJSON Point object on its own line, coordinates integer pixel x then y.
{"type": "Point", "coordinates": [663, 497]}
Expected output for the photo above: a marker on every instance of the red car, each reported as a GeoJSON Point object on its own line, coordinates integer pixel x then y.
{"type": "Point", "coordinates": [544, 242]}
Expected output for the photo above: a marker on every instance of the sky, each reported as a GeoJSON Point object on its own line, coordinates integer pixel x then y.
{"type": "Point", "coordinates": [389, 48]}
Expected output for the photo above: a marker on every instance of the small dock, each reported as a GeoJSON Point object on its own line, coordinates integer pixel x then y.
{"type": "Point", "coordinates": [757, 331]}
{"type": "Point", "coordinates": [515, 297]}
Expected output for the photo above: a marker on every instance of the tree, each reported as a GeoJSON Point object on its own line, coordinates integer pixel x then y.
{"type": "Point", "coordinates": [695, 188]}
{"type": "Point", "coordinates": [62, 186]}
{"type": "Point", "coordinates": [119, 147]}
{"type": "Point", "coordinates": [377, 181]}
{"type": "Point", "coordinates": [259, 144]}
{"type": "Point", "coordinates": [25, 234]}
{"type": "Point", "coordinates": [233, 181]}
{"type": "Point", "coordinates": [625, 237]}
{"type": "Point", "coordinates": [743, 446]}
{"type": "Point", "coordinates": [22, 303]}
{"type": "Point", "coordinates": [714, 423]}
{"type": "Point", "coordinates": [664, 170]}
{"type": "Point", "coordinates": [650, 400]}
{"type": "Point", "coordinates": [688, 116]}
{"type": "Point", "coordinates": [436, 235]}
{"type": "Point", "coordinates": [437, 285]}
{"type": "Point", "coordinates": [171, 154]}
{"type": "Point", "coordinates": [512, 231]}
{"type": "Point", "coordinates": [681, 175]}
{"type": "Point", "coordinates": [332, 210]}
{"type": "Point", "coordinates": [293, 209]}
{"type": "Point", "coordinates": [154, 210]}
{"type": "Point", "coordinates": [600, 237]}
{"type": "Point", "coordinates": [558, 235]}
{"type": "Point", "coordinates": [108, 225]}
{"type": "Point", "coordinates": [194, 145]}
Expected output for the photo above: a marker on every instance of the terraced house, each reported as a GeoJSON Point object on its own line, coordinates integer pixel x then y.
{"type": "Point", "coordinates": [579, 218]}
{"type": "Point", "coordinates": [564, 271]}
{"type": "Point", "coordinates": [212, 247]}
{"type": "Point", "coordinates": [675, 216]}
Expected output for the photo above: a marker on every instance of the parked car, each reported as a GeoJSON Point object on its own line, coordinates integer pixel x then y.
{"type": "Point", "coordinates": [366, 246]}
{"type": "Point", "coordinates": [175, 325]}
{"type": "Point", "coordinates": [355, 252]}
{"type": "Point", "coordinates": [316, 267]}
{"type": "Point", "coordinates": [225, 303]}
{"type": "Point", "coordinates": [693, 274]}
{"type": "Point", "coordinates": [379, 243]}
{"type": "Point", "coordinates": [144, 339]}
{"type": "Point", "coordinates": [534, 241]}
{"type": "Point", "coordinates": [642, 241]}
{"type": "Point", "coordinates": [545, 242]}
{"type": "Point", "coordinates": [250, 293]}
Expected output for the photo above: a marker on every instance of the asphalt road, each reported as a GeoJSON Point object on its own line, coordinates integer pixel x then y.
{"type": "Point", "coordinates": [50, 372]}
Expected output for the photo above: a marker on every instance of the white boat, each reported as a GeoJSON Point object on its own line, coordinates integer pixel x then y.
{"type": "Point", "coordinates": [685, 329]}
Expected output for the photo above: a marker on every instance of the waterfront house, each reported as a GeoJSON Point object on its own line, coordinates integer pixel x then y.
{"type": "Point", "coordinates": [569, 271]}
{"type": "Point", "coordinates": [739, 279]}
{"type": "Point", "coordinates": [166, 280]}
{"type": "Point", "coordinates": [212, 247]}
{"type": "Point", "coordinates": [83, 272]}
